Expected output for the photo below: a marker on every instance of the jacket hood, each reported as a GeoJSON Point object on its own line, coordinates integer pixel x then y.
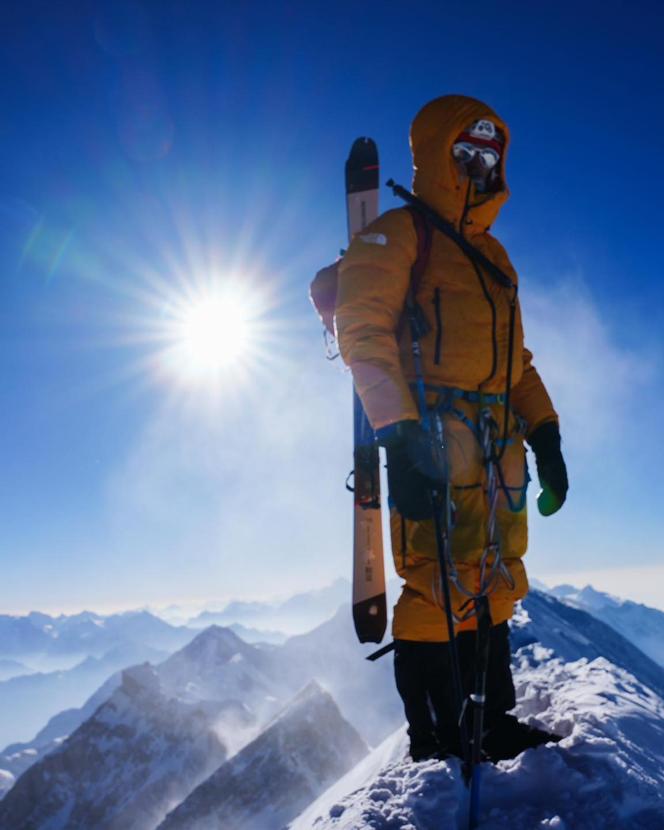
{"type": "Point", "coordinates": [436, 179]}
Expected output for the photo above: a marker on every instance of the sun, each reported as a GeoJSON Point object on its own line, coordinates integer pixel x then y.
{"type": "Point", "coordinates": [212, 333]}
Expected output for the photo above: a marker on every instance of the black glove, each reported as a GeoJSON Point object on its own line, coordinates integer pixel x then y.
{"type": "Point", "coordinates": [415, 467]}
{"type": "Point", "coordinates": [551, 469]}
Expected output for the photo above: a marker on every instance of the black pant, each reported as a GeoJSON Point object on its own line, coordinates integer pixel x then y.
{"type": "Point", "coordinates": [423, 675]}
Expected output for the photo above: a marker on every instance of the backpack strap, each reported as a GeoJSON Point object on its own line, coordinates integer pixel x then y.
{"type": "Point", "coordinates": [424, 230]}
{"type": "Point", "coordinates": [448, 229]}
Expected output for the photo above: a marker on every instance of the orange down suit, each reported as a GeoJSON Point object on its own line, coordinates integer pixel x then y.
{"type": "Point", "coordinates": [465, 348]}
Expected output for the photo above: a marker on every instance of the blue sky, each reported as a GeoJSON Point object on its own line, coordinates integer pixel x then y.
{"type": "Point", "coordinates": [152, 147]}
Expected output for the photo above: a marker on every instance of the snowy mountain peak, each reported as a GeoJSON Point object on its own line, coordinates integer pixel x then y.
{"type": "Point", "coordinates": [208, 663]}
{"type": "Point", "coordinates": [587, 596]}
{"type": "Point", "coordinates": [214, 644]}
{"type": "Point", "coordinates": [310, 693]}
{"type": "Point", "coordinates": [141, 680]}
{"type": "Point", "coordinates": [302, 752]}
{"type": "Point", "coordinates": [311, 704]}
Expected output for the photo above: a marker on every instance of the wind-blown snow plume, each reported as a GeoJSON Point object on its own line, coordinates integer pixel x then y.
{"type": "Point", "coordinates": [300, 754]}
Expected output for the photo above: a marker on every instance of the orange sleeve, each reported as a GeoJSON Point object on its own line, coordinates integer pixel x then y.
{"type": "Point", "coordinates": [374, 276]}
{"type": "Point", "coordinates": [530, 398]}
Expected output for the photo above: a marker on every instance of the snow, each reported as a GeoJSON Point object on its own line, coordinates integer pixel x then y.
{"type": "Point", "coordinates": [607, 772]}
{"type": "Point", "coordinates": [7, 780]}
{"type": "Point", "coordinates": [391, 751]}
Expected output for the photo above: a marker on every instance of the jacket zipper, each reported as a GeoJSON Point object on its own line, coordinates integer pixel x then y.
{"type": "Point", "coordinates": [466, 208]}
{"type": "Point", "coordinates": [485, 291]}
{"type": "Point", "coordinates": [439, 325]}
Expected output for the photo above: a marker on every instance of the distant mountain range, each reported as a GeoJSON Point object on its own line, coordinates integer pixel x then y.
{"type": "Point", "coordinates": [45, 642]}
{"type": "Point", "coordinates": [233, 690]}
{"type": "Point", "coordinates": [82, 650]}
{"type": "Point", "coordinates": [295, 615]}
{"type": "Point", "coordinates": [29, 701]}
{"type": "Point", "coordinates": [12, 668]}
{"type": "Point", "coordinates": [641, 625]}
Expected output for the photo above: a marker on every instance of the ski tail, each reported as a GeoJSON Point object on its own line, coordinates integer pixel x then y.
{"type": "Point", "coordinates": [369, 598]}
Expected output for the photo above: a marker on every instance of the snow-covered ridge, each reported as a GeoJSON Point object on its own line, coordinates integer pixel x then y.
{"type": "Point", "coordinates": [56, 663]}
{"type": "Point", "coordinates": [606, 774]}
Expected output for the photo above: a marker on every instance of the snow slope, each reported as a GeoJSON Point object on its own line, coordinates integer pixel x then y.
{"type": "Point", "coordinates": [607, 773]}
{"type": "Point", "coordinates": [572, 633]}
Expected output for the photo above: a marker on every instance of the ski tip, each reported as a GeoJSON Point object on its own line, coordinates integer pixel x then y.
{"type": "Point", "coordinates": [362, 166]}
{"type": "Point", "coordinates": [363, 144]}
{"type": "Point", "coordinates": [363, 154]}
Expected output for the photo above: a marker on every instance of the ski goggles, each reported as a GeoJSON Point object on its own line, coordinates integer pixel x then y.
{"type": "Point", "coordinates": [465, 152]}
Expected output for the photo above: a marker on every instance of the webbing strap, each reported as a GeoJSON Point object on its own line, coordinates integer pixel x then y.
{"type": "Point", "coordinates": [449, 230]}
{"type": "Point", "coordinates": [467, 395]}
{"type": "Point", "coordinates": [376, 655]}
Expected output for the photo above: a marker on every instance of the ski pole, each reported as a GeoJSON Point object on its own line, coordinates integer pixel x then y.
{"type": "Point", "coordinates": [483, 616]}
{"type": "Point", "coordinates": [478, 700]}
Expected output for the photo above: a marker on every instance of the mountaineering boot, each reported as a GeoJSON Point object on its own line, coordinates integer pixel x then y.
{"type": "Point", "coordinates": [506, 737]}
{"type": "Point", "coordinates": [449, 741]}
{"type": "Point", "coordinates": [423, 747]}
{"type": "Point", "coordinates": [443, 744]}
{"type": "Point", "coordinates": [411, 685]}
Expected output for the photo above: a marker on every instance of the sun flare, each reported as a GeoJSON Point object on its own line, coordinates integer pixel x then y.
{"type": "Point", "coordinates": [212, 333]}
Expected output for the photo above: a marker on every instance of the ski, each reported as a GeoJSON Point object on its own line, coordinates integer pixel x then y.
{"type": "Point", "coordinates": [369, 600]}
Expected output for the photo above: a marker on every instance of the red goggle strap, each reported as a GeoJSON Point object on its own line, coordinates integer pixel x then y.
{"type": "Point", "coordinates": [481, 142]}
